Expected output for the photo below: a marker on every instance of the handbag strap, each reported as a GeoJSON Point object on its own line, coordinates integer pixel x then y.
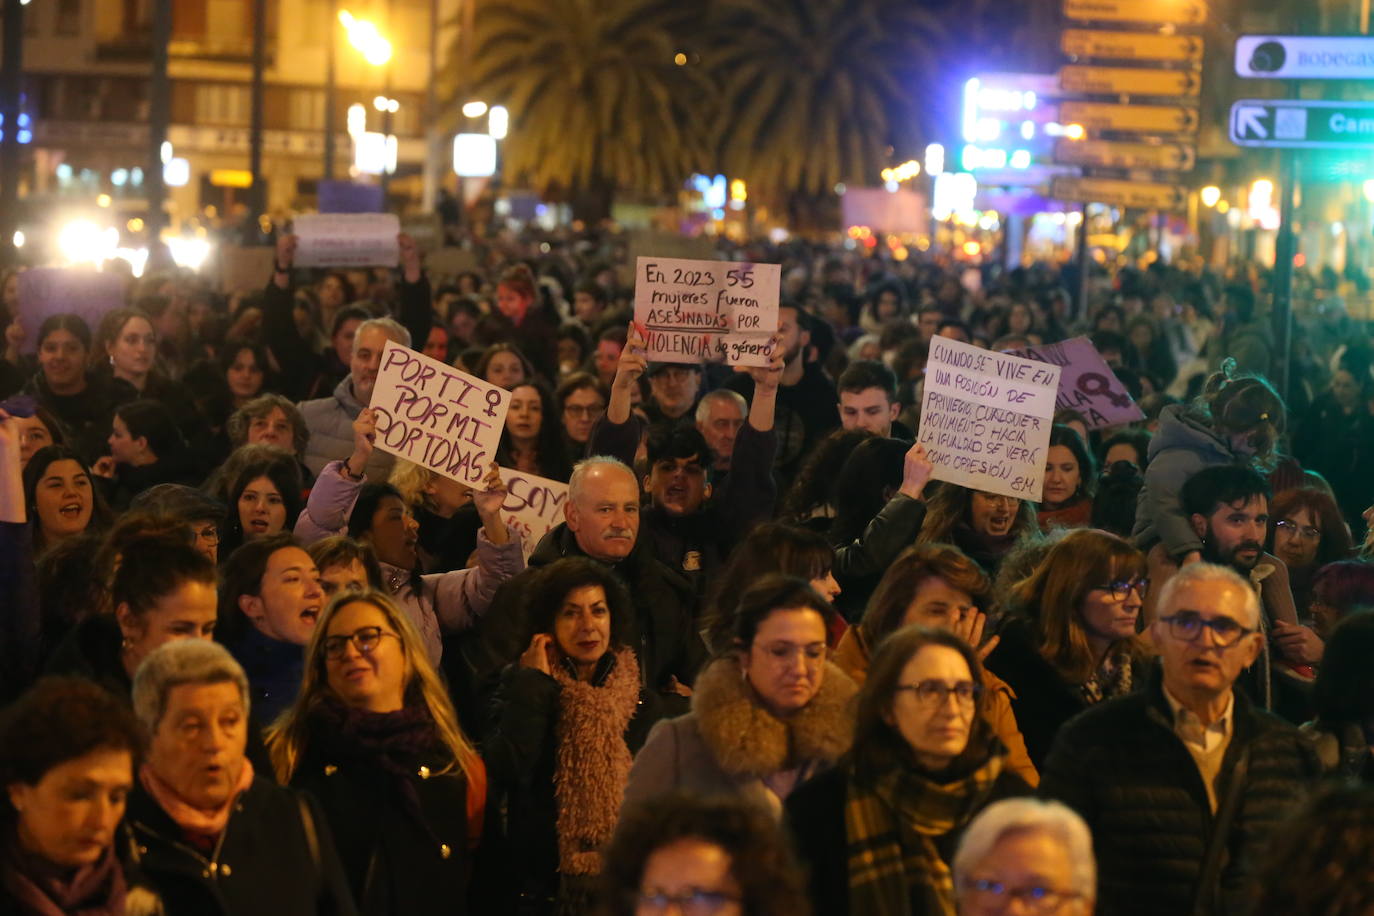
{"type": "Point", "coordinates": [1216, 846]}
{"type": "Point", "coordinates": [312, 839]}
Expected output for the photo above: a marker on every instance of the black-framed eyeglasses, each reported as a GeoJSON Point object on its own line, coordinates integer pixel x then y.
{"type": "Point", "coordinates": [1033, 897]}
{"type": "Point", "coordinates": [365, 639]}
{"type": "Point", "coordinates": [209, 534]}
{"type": "Point", "coordinates": [1122, 589]}
{"type": "Point", "coordinates": [1187, 626]}
{"type": "Point", "coordinates": [1305, 532]}
{"type": "Point", "coordinates": [590, 411]}
{"type": "Point", "coordinates": [694, 901]}
{"type": "Point", "coordinates": [935, 693]}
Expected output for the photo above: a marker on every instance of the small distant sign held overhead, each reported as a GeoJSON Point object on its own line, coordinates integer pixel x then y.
{"type": "Point", "coordinates": [1129, 81]}
{"type": "Point", "coordinates": [1162, 119]}
{"type": "Point", "coordinates": [1173, 12]}
{"type": "Point", "coordinates": [1142, 195]}
{"type": "Point", "coordinates": [1141, 46]}
{"type": "Point", "coordinates": [1309, 57]}
{"type": "Point", "coordinates": [1302, 124]}
{"type": "Point", "coordinates": [1104, 154]}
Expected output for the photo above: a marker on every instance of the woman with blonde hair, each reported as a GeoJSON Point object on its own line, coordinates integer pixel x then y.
{"type": "Point", "coordinates": [1073, 641]}
{"type": "Point", "coordinates": [448, 529]}
{"type": "Point", "coordinates": [374, 736]}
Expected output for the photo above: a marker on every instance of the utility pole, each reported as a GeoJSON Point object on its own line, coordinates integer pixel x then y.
{"type": "Point", "coordinates": [11, 86]}
{"type": "Point", "coordinates": [331, 37]}
{"type": "Point", "coordinates": [258, 194]}
{"type": "Point", "coordinates": [1285, 248]}
{"type": "Point", "coordinates": [432, 153]}
{"type": "Point", "coordinates": [159, 114]}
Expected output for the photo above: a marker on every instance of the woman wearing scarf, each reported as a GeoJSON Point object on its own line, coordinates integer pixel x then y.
{"type": "Point", "coordinates": [558, 747]}
{"type": "Point", "coordinates": [878, 832]}
{"type": "Point", "coordinates": [1072, 640]}
{"type": "Point", "coordinates": [767, 715]}
{"type": "Point", "coordinates": [66, 761]}
{"type": "Point", "coordinates": [206, 833]}
{"type": "Point", "coordinates": [374, 737]}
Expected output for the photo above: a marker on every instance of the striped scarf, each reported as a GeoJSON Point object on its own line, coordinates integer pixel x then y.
{"type": "Point", "coordinates": [891, 827]}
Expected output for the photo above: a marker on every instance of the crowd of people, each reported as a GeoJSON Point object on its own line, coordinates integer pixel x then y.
{"type": "Point", "coordinates": [253, 664]}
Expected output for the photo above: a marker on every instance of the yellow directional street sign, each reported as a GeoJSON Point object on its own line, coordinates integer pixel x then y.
{"type": "Point", "coordinates": [1131, 46]}
{"type": "Point", "coordinates": [1103, 154]}
{"type": "Point", "coordinates": [1142, 195]}
{"type": "Point", "coordinates": [1157, 119]}
{"type": "Point", "coordinates": [1129, 81]}
{"type": "Point", "coordinates": [1171, 12]}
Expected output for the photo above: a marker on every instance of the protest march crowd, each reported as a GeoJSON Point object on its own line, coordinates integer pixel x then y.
{"type": "Point", "coordinates": [670, 637]}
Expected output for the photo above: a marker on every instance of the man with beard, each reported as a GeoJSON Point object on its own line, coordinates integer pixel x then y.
{"type": "Point", "coordinates": [807, 404]}
{"type": "Point", "coordinates": [1228, 507]}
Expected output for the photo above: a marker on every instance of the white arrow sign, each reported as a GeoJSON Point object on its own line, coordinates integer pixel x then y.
{"type": "Point", "coordinates": [1304, 57]}
{"type": "Point", "coordinates": [1250, 123]}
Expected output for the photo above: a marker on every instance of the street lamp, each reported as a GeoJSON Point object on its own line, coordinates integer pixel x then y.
{"type": "Point", "coordinates": [366, 38]}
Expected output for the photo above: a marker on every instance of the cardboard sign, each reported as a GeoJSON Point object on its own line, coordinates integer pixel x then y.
{"type": "Point", "coordinates": [243, 268]}
{"type": "Point", "coordinates": [1086, 384]}
{"type": "Point", "coordinates": [707, 311]}
{"type": "Point", "coordinates": [437, 416]}
{"type": "Point", "coordinates": [533, 506]}
{"type": "Point", "coordinates": [347, 240]}
{"type": "Point", "coordinates": [47, 291]}
{"type": "Point", "coordinates": [986, 417]}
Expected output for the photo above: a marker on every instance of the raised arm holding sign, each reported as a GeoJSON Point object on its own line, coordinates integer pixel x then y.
{"type": "Point", "coordinates": [985, 420]}
{"type": "Point", "coordinates": [436, 416]}
{"type": "Point", "coordinates": [1086, 384]}
{"type": "Point", "coordinates": [707, 311]}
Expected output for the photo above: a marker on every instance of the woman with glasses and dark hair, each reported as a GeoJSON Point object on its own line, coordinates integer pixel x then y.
{"type": "Point", "coordinates": [719, 857]}
{"type": "Point", "coordinates": [1072, 641]}
{"type": "Point", "coordinates": [580, 401]}
{"type": "Point", "coordinates": [1306, 531]}
{"type": "Point", "coordinates": [877, 833]}
{"type": "Point", "coordinates": [373, 736]}
{"type": "Point", "coordinates": [768, 713]}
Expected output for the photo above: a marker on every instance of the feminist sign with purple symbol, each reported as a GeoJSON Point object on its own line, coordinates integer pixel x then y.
{"type": "Point", "coordinates": [1086, 384]}
{"type": "Point", "coordinates": [439, 418]}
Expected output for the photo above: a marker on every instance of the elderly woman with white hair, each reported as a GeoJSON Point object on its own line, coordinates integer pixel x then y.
{"type": "Point", "coordinates": [1037, 853]}
{"type": "Point", "coordinates": [207, 834]}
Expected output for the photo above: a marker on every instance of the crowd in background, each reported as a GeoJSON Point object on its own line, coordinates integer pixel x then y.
{"type": "Point", "coordinates": [765, 664]}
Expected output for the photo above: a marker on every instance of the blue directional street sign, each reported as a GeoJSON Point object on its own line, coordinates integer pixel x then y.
{"type": "Point", "coordinates": [1302, 124]}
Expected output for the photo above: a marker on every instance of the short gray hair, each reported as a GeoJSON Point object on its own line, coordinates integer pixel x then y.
{"type": "Point", "coordinates": [1198, 573]}
{"type": "Point", "coordinates": [262, 405]}
{"type": "Point", "coordinates": [388, 326]}
{"type": "Point", "coordinates": [1015, 815]}
{"type": "Point", "coordinates": [723, 395]}
{"type": "Point", "coordinates": [182, 661]}
{"type": "Point", "coordinates": [578, 480]}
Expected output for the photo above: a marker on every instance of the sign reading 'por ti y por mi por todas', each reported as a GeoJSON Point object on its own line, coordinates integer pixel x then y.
{"type": "Point", "coordinates": [707, 311]}
{"type": "Point", "coordinates": [985, 419]}
{"type": "Point", "coordinates": [436, 416]}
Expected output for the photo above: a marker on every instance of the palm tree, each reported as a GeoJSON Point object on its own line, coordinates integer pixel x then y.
{"type": "Point", "coordinates": [601, 96]}
{"type": "Point", "coordinates": [819, 90]}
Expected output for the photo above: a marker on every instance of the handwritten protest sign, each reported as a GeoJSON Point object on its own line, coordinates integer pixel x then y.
{"type": "Point", "coordinates": [436, 416]}
{"type": "Point", "coordinates": [46, 291]}
{"type": "Point", "coordinates": [1087, 384]}
{"type": "Point", "coordinates": [707, 311]}
{"type": "Point", "coordinates": [985, 420]}
{"type": "Point", "coordinates": [347, 240]}
{"type": "Point", "coordinates": [243, 268]}
{"type": "Point", "coordinates": [533, 506]}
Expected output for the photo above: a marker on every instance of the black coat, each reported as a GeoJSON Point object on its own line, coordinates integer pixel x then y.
{"type": "Point", "coordinates": [398, 863]}
{"type": "Point", "coordinates": [814, 816]}
{"type": "Point", "coordinates": [1122, 768]}
{"type": "Point", "coordinates": [269, 861]}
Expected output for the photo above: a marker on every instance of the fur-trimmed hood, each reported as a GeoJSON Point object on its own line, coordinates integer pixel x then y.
{"type": "Point", "coordinates": [749, 741]}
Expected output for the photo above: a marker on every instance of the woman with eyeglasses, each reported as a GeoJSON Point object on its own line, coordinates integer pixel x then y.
{"type": "Point", "coordinates": [704, 857]}
{"type": "Point", "coordinates": [581, 401]}
{"type": "Point", "coordinates": [1306, 532]}
{"type": "Point", "coordinates": [1071, 641]}
{"type": "Point", "coordinates": [374, 737]}
{"type": "Point", "coordinates": [768, 713]}
{"type": "Point", "coordinates": [563, 723]}
{"type": "Point", "coordinates": [877, 834]}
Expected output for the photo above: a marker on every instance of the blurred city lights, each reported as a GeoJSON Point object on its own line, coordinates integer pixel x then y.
{"type": "Point", "coordinates": [103, 200]}
{"type": "Point", "coordinates": [474, 155]}
{"type": "Point", "coordinates": [190, 253]}
{"type": "Point", "coordinates": [935, 159]}
{"type": "Point", "coordinates": [176, 172]}
{"type": "Point", "coordinates": [1369, 190]}
{"type": "Point", "coordinates": [366, 38]}
{"type": "Point", "coordinates": [498, 122]}
{"type": "Point", "coordinates": [1210, 195]}
{"type": "Point", "coordinates": [82, 241]}
{"type": "Point", "coordinates": [680, 59]}
{"type": "Point", "coordinates": [19, 238]}
{"type": "Point", "coordinates": [474, 109]}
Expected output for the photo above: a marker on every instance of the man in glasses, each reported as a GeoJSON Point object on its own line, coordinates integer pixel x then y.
{"type": "Point", "coordinates": [1182, 783]}
{"type": "Point", "coordinates": [1228, 507]}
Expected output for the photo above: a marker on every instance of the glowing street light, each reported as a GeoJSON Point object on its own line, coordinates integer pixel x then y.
{"type": "Point", "coordinates": [1210, 195]}
{"type": "Point", "coordinates": [367, 38]}
{"type": "Point", "coordinates": [498, 122]}
{"type": "Point", "coordinates": [474, 109]}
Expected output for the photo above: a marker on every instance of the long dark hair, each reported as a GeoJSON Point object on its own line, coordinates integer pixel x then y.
{"type": "Point", "coordinates": [772, 547]}
{"type": "Point", "coordinates": [38, 465]}
{"type": "Point", "coordinates": [870, 475]}
{"type": "Point", "coordinates": [1068, 437]}
{"type": "Point", "coordinates": [151, 420]}
{"type": "Point", "coordinates": [816, 482]}
{"type": "Point", "coordinates": [878, 746]}
{"type": "Point", "coordinates": [887, 608]}
{"type": "Point", "coordinates": [285, 475]}
{"type": "Point", "coordinates": [552, 459]}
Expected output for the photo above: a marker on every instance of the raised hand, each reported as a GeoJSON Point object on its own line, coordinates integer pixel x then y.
{"type": "Point", "coordinates": [539, 654]}
{"type": "Point", "coordinates": [916, 471]}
